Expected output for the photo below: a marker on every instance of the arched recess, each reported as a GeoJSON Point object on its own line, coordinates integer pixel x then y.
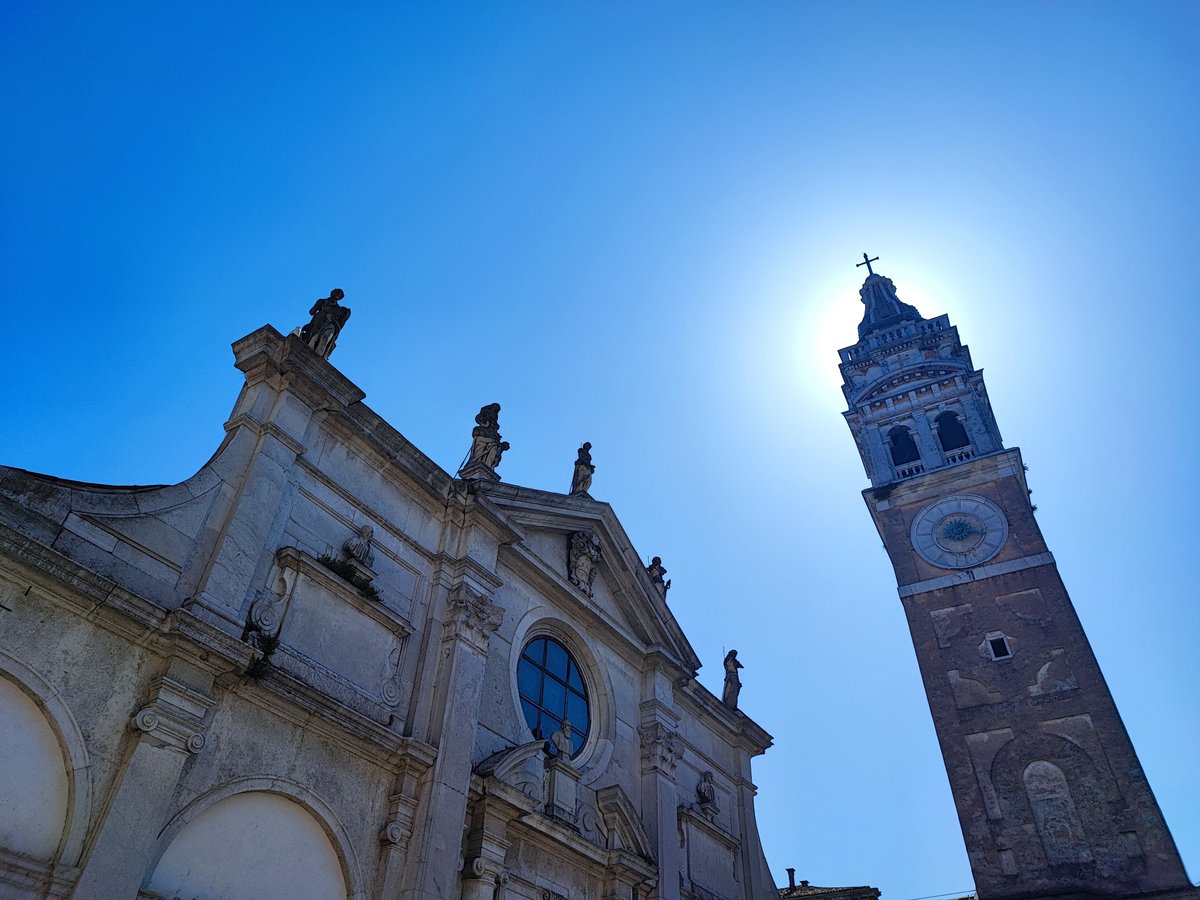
{"type": "Point", "coordinates": [950, 431]}
{"type": "Point", "coordinates": [258, 838]}
{"type": "Point", "coordinates": [1054, 784]}
{"type": "Point", "coordinates": [32, 714]}
{"type": "Point", "coordinates": [1055, 814]}
{"type": "Point", "coordinates": [902, 446]}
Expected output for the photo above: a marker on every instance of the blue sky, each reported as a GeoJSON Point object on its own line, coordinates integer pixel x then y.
{"type": "Point", "coordinates": [636, 224]}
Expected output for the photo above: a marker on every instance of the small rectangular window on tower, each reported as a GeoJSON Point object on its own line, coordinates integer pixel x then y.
{"type": "Point", "coordinates": [1000, 648]}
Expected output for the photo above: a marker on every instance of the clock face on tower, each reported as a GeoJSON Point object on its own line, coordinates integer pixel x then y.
{"type": "Point", "coordinates": [959, 532]}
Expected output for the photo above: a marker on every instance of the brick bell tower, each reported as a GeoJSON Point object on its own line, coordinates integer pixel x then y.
{"type": "Point", "coordinates": [1051, 799]}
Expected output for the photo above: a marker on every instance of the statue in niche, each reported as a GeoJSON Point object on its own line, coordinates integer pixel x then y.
{"type": "Point", "coordinates": [328, 318]}
{"type": "Point", "coordinates": [486, 446]}
{"type": "Point", "coordinates": [706, 791]}
{"type": "Point", "coordinates": [358, 547]}
{"type": "Point", "coordinates": [583, 557]}
{"type": "Point", "coordinates": [581, 480]}
{"type": "Point", "coordinates": [564, 748]}
{"type": "Point", "coordinates": [733, 684]}
{"type": "Point", "coordinates": [656, 571]}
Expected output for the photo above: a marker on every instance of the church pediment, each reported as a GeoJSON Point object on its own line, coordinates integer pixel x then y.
{"type": "Point", "coordinates": [624, 828]}
{"type": "Point", "coordinates": [579, 547]}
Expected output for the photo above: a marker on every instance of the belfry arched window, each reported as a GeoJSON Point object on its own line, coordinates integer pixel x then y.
{"type": "Point", "coordinates": [904, 448]}
{"type": "Point", "coordinates": [950, 432]}
{"type": "Point", "coordinates": [552, 690]}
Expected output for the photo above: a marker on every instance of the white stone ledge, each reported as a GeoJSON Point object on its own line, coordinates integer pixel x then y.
{"type": "Point", "coordinates": [977, 574]}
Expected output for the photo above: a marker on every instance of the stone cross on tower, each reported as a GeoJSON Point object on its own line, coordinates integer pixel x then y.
{"type": "Point", "coordinates": [867, 262]}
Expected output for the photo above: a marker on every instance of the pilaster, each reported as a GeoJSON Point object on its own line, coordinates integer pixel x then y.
{"type": "Point", "coordinates": [661, 752]}
{"type": "Point", "coordinates": [167, 729]}
{"type": "Point", "coordinates": [471, 618]}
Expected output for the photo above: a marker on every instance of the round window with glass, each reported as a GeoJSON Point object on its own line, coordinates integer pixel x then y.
{"type": "Point", "coordinates": [552, 692]}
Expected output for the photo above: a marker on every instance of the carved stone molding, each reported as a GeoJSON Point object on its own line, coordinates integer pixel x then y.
{"type": "Point", "coordinates": [397, 830]}
{"type": "Point", "coordinates": [174, 716]}
{"type": "Point", "coordinates": [661, 749]}
{"type": "Point", "coordinates": [266, 613]}
{"type": "Point", "coordinates": [485, 878]}
{"type": "Point", "coordinates": [472, 617]}
{"type": "Point", "coordinates": [390, 691]}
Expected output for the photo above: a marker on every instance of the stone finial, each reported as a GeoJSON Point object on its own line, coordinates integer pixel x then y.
{"type": "Point", "coordinates": [328, 318]}
{"type": "Point", "coordinates": [486, 446]}
{"type": "Point", "coordinates": [656, 571]}
{"type": "Point", "coordinates": [733, 684]}
{"type": "Point", "coordinates": [581, 480]}
{"type": "Point", "coordinates": [583, 559]}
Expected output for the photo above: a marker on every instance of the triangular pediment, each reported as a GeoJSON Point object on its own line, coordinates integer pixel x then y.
{"type": "Point", "coordinates": [621, 820]}
{"type": "Point", "coordinates": [556, 530]}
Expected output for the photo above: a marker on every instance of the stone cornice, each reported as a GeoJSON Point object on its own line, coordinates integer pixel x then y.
{"type": "Point", "coordinates": [306, 564]}
{"type": "Point", "coordinates": [743, 730]}
{"type": "Point", "coordinates": [354, 732]}
{"type": "Point", "coordinates": [951, 479]}
{"type": "Point", "coordinates": [696, 820]}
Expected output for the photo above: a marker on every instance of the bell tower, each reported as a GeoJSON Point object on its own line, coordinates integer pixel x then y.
{"type": "Point", "coordinates": [1051, 799]}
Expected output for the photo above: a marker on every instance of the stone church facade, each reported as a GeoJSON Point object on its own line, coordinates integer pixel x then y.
{"type": "Point", "coordinates": [1051, 798]}
{"type": "Point", "coordinates": [325, 667]}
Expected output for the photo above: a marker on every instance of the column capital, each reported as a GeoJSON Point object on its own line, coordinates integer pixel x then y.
{"type": "Point", "coordinates": [174, 716]}
{"type": "Point", "coordinates": [471, 617]}
{"type": "Point", "coordinates": [661, 748]}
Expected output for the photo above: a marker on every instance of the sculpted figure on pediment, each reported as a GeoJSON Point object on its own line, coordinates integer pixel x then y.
{"type": "Point", "coordinates": [583, 558]}
{"type": "Point", "coordinates": [733, 684]}
{"type": "Point", "coordinates": [581, 480]}
{"type": "Point", "coordinates": [328, 318]}
{"type": "Point", "coordinates": [486, 446]}
{"type": "Point", "coordinates": [656, 570]}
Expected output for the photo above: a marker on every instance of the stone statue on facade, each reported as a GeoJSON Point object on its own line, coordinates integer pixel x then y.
{"type": "Point", "coordinates": [706, 792]}
{"type": "Point", "coordinates": [656, 571]}
{"type": "Point", "coordinates": [486, 446]}
{"type": "Point", "coordinates": [583, 558]}
{"type": "Point", "coordinates": [359, 547]}
{"type": "Point", "coordinates": [733, 684]}
{"type": "Point", "coordinates": [561, 740]}
{"type": "Point", "coordinates": [581, 480]}
{"type": "Point", "coordinates": [321, 333]}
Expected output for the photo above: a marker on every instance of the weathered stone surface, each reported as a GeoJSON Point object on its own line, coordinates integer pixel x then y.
{"type": "Point", "coordinates": [219, 676]}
